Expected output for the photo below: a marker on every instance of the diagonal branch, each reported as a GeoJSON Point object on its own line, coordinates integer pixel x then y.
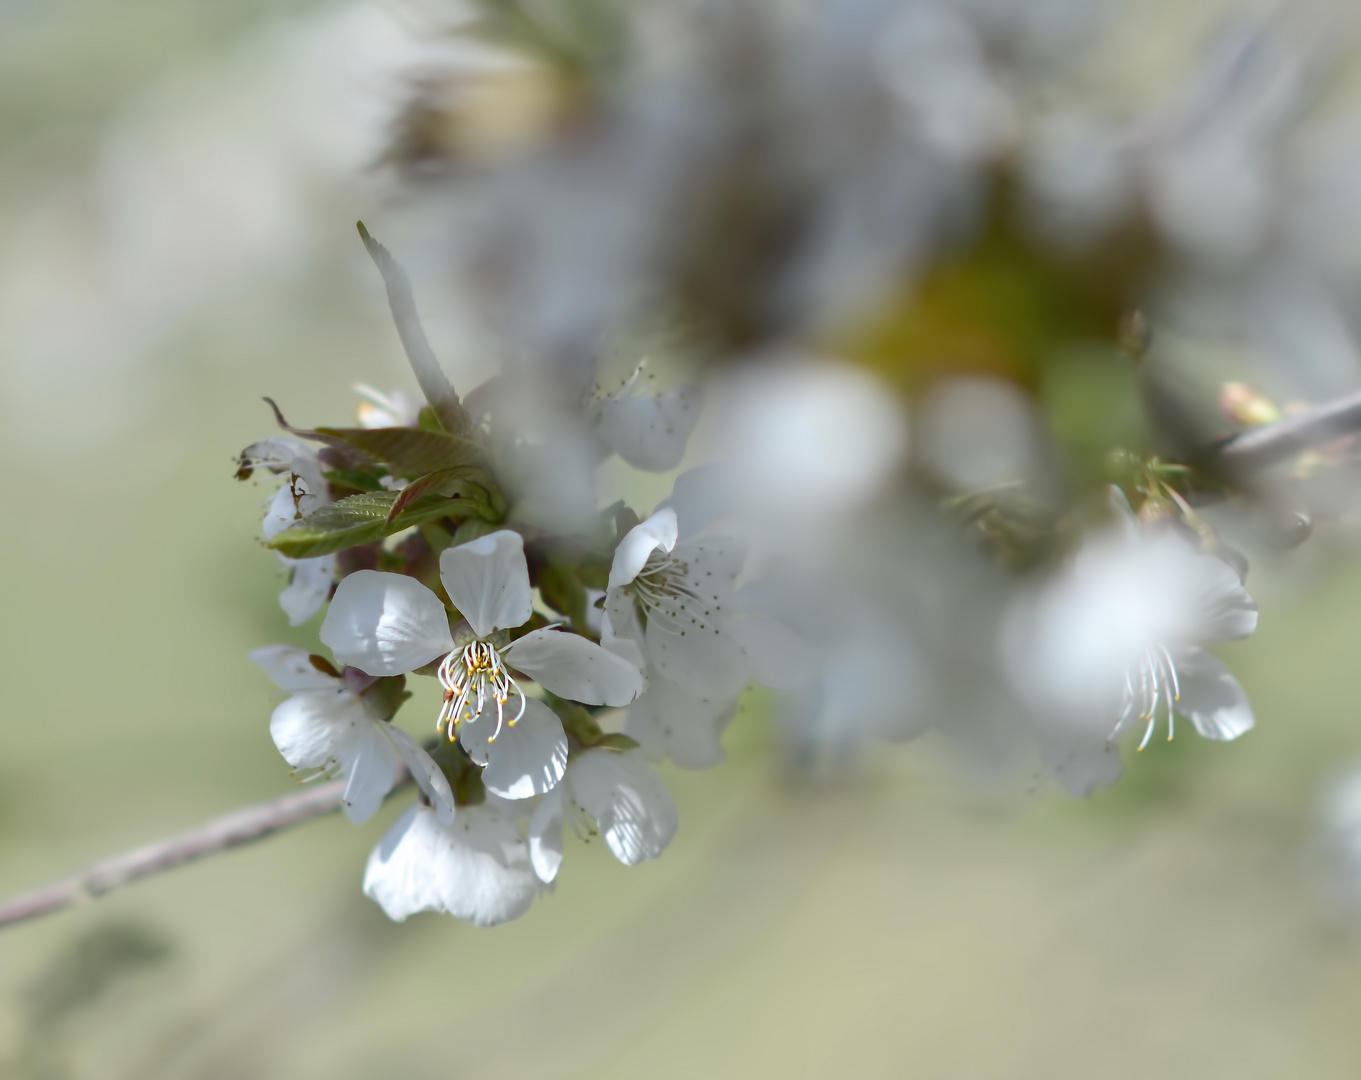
{"type": "Point", "coordinates": [243, 826]}
{"type": "Point", "coordinates": [1262, 447]}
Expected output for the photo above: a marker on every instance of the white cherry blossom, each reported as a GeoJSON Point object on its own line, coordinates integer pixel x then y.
{"type": "Point", "coordinates": [617, 793]}
{"type": "Point", "coordinates": [476, 867]}
{"type": "Point", "coordinates": [388, 624]}
{"type": "Point", "coordinates": [673, 599]}
{"type": "Point", "coordinates": [326, 727]}
{"type": "Point", "coordinates": [1113, 643]}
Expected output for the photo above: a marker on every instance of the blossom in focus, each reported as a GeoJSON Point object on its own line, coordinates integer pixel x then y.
{"type": "Point", "coordinates": [673, 600]}
{"type": "Point", "coordinates": [328, 726]}
{"type": "Point", "coordinates": [1113, 643]}
{"type": "Point", "coordinates": [390, 624]}
{"type": "Point", "coordinates": [475, 867]}
{"type": "Point", "coordinates": [614, 792]}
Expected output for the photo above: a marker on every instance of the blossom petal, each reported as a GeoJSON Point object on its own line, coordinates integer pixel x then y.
{"type": "Point", "coordinates": [488, 581]}
{"type": "Point", "coordinates": [315, 729]}
{"type": "Point", "coordinates": [291, 668]}
{"type": "Point", "coordinates": [669, 722]}
{"type": "Point", "coordinates": [424, 771]}
{"type": "Point", "coordinates": [398, 875]}
{"type": "Point", "coordinates": [650, 432]}
{"type": "Point", "coordinates": [1211, 698]}
{"type": "Point", "coordinates": [476, 868]}
{"type": "Point", "coordinates": [545, 836]}
{"type": "Point", "coordinates": [1229, 612]}
{"type": "Point", "coordinates": [703, 659]}
{"type": "Point", "coordinates": [658, 531]}
{"type": "Point", "coordinates": [573, 667]}
{"type": "Point", "coordinates": [482, 871]}
{"type": "Point", "coordinates": [324, 729]}
{"type": "Point", "coordinates": [527, 758]}
{"type": "Point", "coordinates": [636, 814]}
{"type": "Point", "coordinates": [309, 585]}
{"type": "Point", "coordinates": [385, 624]}
{"type": "Point", "coordinates": [370, 768]}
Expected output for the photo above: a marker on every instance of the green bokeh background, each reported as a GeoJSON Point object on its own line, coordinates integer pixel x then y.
{"type": "Point", "coordinates": [898, 925]}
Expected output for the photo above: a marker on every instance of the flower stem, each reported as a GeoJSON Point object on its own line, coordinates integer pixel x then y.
{"type": "Point", "coordinates": [243, 826]}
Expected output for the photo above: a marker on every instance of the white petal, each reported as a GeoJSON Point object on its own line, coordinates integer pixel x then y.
{"type": "Point", "coordinates": [545, 836]}
{"type": "Point", "coordinates": [385, 624]}
{"type": "Point", "coordinates": [525, 759]}
{"type": "Point", "coordinates": [291, 668]}
{"type": "Point", "coordinates": [778, 657]}
{"type": "Point", "coordinates": [669, 722]}
{"type": "Point", "coordinates": [321, 729]}
{"type": "Point", "coordinates": [1211, 698]}
{"type": "Point", "coordinates": [483, 874]}
{"type": "Point", "coordinates": [488, 581]}
{"type": "Point", "coordinates": [626, 648]}
{"type": "Point", "coordinates": [424, 771]}
{"type": "Point", "coordinates": [371, 768]}
{"type": "Point", "coordinates": [308, 587]}
{"type": "Point", "coordinates": [1229, 612]}
{"type": "Point", "coordinates": [650, 432]}
{"type": "Point", "coordinates": [628, 800]}
{"type": "Point", "coordinates": [573, 667]}
{"type": "Point", "coordinates": [281, 512]}
{"type": "Point", "coordinates": [314, 729]}
{"type": "Point", "coordinates": [658, 531]}
{"type": "Point", "coordinates": [703, 659]}
{"type": "Point", "coordinates": [399, 871]}
{"type": "Point", "coordinates": [1082, 766]}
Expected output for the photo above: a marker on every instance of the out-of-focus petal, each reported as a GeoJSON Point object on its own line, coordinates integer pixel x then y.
{"type": "Point", "coordinates": [385, 624]}
{"type": "Point", "coordinates": [650, 432]}
{"type": "Point", "coordinates": [1211, 698]}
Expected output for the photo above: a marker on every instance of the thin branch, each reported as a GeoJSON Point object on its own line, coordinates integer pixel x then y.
{"type": "Point", "coordinates": [231, 830]}
{"type": "Point", "coordinates": [1262, 447]}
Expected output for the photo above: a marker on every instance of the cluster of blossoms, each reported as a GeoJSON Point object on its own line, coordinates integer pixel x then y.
{"type": "Point", "coordinates": [950, 480]}
{"type": "Point", "coordinates": [405, 531]}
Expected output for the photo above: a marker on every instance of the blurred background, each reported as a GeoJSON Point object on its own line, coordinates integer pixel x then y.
{"type": "Point", "coordinates": [178, 186]}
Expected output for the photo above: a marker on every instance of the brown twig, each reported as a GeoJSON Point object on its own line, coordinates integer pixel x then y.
{"type": "Point", "coordinates": [231, 830]}
{"type": "Point", "coordinates": [1262, 447]}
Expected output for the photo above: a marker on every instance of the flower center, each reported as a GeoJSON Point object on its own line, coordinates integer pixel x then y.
{"type": "Point", "coordinates": [473, 677]}
{"type": "Point", "coordinates": [1157, 688]}
{"type": "Point", "coordinates": [665, 590]}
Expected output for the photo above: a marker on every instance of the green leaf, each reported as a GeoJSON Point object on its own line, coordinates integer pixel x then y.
{"type": "Point", "coordinates": [562, 591]}
{"type": "Point", "coordinates": [617, 741]}
{"type": "Point", "coordinates": [452, 484]}
{"type": "Point", "coordinates": [410, 451]}
{"type": "Point", "coordinates": [359, 519]}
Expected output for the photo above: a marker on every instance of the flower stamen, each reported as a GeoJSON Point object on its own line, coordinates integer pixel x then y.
{"type": "Point", "coordinates": [472, 677]}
